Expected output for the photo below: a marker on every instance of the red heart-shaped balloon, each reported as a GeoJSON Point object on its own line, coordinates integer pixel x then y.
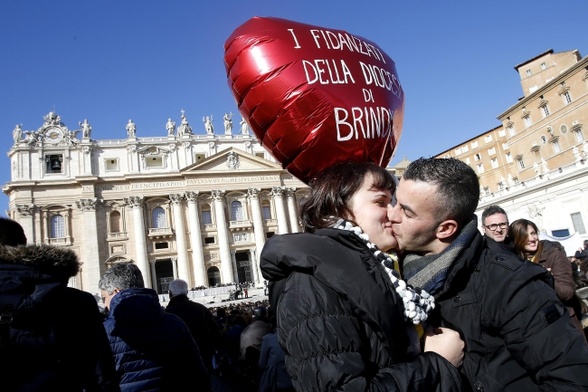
{"type": "Point", "coordinates": [315, 96]}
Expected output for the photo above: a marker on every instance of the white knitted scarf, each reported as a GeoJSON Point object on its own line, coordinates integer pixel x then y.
{"type": "Point", "coordinates": [417, 303]}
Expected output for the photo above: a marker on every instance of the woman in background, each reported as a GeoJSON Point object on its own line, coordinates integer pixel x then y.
{"type": "Point", "coordinates": [551, 255]}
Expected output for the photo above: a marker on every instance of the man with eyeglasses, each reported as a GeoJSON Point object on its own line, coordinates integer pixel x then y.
{"type": "Point", "coordinates": [495, 223]}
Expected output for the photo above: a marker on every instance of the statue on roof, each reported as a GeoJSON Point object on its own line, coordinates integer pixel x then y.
{"type": "Point", "coordinates": [170, 126]}
{"type": "Point", "coordinates": [208, 125]}
{"type": "Point", "coordinates": [131, 129]}
{"type": "Point", "coordinates": [86, 129]}
{"type": "Point", "coordinates": [17, 134]}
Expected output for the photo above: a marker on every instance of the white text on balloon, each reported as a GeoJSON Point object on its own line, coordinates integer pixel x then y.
{"type": "Point", "coordinates": [327, 72]}
{"type": "Point", "coordinates": [372, 122]}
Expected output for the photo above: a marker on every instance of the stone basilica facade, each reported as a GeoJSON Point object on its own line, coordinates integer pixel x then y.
{"type": "Point", "coordinates": [197, 207]}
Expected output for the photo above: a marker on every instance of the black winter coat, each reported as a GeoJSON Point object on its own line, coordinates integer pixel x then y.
{"type": "Point", "coordinates": [517, 333]}
{"type": "Point", "coordinates": [57, 341]}
{"type": "Point", "coordinates": [153, 350]}
{"type": "Point", "coordinates": [340, 321]}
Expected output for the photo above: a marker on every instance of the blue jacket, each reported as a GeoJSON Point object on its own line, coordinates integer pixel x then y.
{"type": "Point", "coordinates": [153, 350]}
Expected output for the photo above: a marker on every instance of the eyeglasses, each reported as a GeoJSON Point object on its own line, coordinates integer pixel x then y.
{"type": "Point", "coordinates": [495, 226]}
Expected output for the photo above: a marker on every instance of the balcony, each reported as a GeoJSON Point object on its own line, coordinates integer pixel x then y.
{"type": "Point", "coordinates": [117, 236]}
{"type": "Point", "coordinates": [160, 232]}
{"type": "Point", "coordinates": [239, 225]}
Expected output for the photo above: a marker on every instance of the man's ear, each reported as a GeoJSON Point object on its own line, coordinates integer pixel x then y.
{"type": "Point", "coordinates": [447, 230]}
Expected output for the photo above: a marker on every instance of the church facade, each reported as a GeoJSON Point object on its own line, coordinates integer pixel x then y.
{"type": "Point", "coordinates": [195, 207]}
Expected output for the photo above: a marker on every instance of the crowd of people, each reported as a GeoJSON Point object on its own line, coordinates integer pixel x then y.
{"type": "Point", "coordinates": [391, 287]}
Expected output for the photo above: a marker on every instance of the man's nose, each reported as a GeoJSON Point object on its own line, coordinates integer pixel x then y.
{"type": "Point", "coordinates": [392, 212]}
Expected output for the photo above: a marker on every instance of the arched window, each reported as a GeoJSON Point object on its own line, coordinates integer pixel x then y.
{"type": "Point", "coordinates": [236, 211]}
{"type": "Point", "coordinates": [57, 229]}
{"type": "Point", "coordinates": [115, 222]}
{"type": "Point", "coordinates": [266, 210]}
{"type": "Point", "coordinates": [206, 216]}
{"type": "Point", "coordinates": [159, 220]}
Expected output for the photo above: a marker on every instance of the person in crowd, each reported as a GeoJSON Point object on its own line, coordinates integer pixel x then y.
{"type": "Point", "coordinates": [272, 362]}
{"type": "Point", "coordinates": [51, 335]}
{"type": "Point", "coordinates": [250, 342]}
{"type": "Point", "coordinates": [197, 317]}
{"type": "Point", "coordinates": [345, 320]}
{"type": "Point", "coordinates": [495, 224]}
{"type": "Point", "coordinates": [582, 254]}
{"type": "Point", "coordinates": [153, 350]}
{"type": "Point", "coordinates": [517, 333]}
{"type": "Point", "coordinates": [550, 255]}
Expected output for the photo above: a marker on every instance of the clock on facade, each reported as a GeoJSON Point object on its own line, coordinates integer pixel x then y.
{"type": "Point", "coordinates": [53, 135]}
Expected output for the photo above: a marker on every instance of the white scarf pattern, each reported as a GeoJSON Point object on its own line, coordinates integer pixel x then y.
{"type": "Point", "coordinates": [417, 303]}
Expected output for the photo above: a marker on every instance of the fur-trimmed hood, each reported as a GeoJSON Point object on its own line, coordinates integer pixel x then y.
{"type": "Point", "coordinates": [61, 263]}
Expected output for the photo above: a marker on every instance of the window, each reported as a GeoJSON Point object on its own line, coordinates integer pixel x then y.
{"type": "Point", "coordinates": [511, 130]}
{"type": "Point", "coordinates": [563, 129]}
{"type": "Point", "coordinates": [527, 121]}
{"type": "Point", "coordinates": [578, 223]}
{"type": "Point", "coordinates": [158, 218]}
{"type": "Point", "coordinates": [494, 163]}
{"type": "Point", "coordinates": [556, 147]}
{"type": "Point", "coordinates": [111, 164]}
{"type": "Point", "coordinates": [508, 157]}
{"type": "Point", "coordinates": [545, 110]}
{"type": "Point", "coordinates": [505, 146]}
{"type": "Point", "coordinates": [161, 245]}
{"type": "Point", "coordinates": [209, 240]}
{"type": "Point", "coordinates": [152, 162]}
{"type": "Point", "coordinates": [528, 72]}
{"type": "Point", "coordinates": [567, 98]}
{"type": "Point", "coordinates": [521, 164]}
{"type": "Point", "coordinates": [57, 229]}
{"type": "Point", "coordinates": [560, 233]}
{"type": "Point", "coordinates": [543, 140]}
{"type": "Point", "coordinates": [467, 160]}
{"type": "Point", "coordinates": [492, 151]}
{"type": "Point", "coordinates": [543, 66]}
{"type": "Point", "coordinates": [199, 157]}
{"type": "Point", "coordinates": [115, 222]}
{"type": "Point", "coordinates": [480, 168]}
{"type": "Point", "coordinates": [502, 133]}
{"type": "Point", "coordinates": [236, 211]}
{"type": "Point", "coordinates": [488, 138]}
{"type": "Point", "coordinates": [474, 144]}
{"type": "Point", "coordinates": [266, 210]}
{"type": "Point", "coordinates": [53, 163]}
{"type": "Point", "coordinates": [477, 157]}
{"type": "Point", "coordinates": [206, 215]}
{"type": "Point", "coordinates": [259, 154]}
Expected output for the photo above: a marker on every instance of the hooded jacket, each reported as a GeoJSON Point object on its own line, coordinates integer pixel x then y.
{"type": "Point", "coordinates": [52, 335]}
{"type": "Point", "coordinates": [340, 321]}
{"type": "Point", "coordinates": [153, 350]}
{"type": "Point", "coordinates": [517, 334]}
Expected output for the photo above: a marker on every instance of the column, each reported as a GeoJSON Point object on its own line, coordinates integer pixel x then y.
{"type": "Point", "coordinates": [223, 237]}
{"type": "Point", "coordinates": [181, 245]}
{"type": "Point", "coordinates": [198, 267]}
{"type": "Point", "coordinates": [27, 220]}
{"type": "Point", "coordinates": [258, 229]}
{"type": "Point", "coordinates": [89, 250]}
{"type": "Point", "coordinates": [278, 195]}
{"type": "Point", "coordinates": [136, 203]}
{"type": "Point", "coordinates": [292, 214]}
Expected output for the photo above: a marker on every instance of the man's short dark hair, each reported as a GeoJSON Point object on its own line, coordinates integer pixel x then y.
{"type": "Point", "coordinates": [11, 233]}
{"type": "Point", "coordinates": [492, 210]}
{"type": "Point", "coordinates": [458, 187]}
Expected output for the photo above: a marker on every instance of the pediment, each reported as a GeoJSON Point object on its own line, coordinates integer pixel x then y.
{"type": "Point", "coordinates": [232, 159]}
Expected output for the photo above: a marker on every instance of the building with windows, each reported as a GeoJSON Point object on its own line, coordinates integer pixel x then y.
{"type": "Point", "coordinates": [197, 207]}
{"type": "Point", "coordinates": [534, 164]}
